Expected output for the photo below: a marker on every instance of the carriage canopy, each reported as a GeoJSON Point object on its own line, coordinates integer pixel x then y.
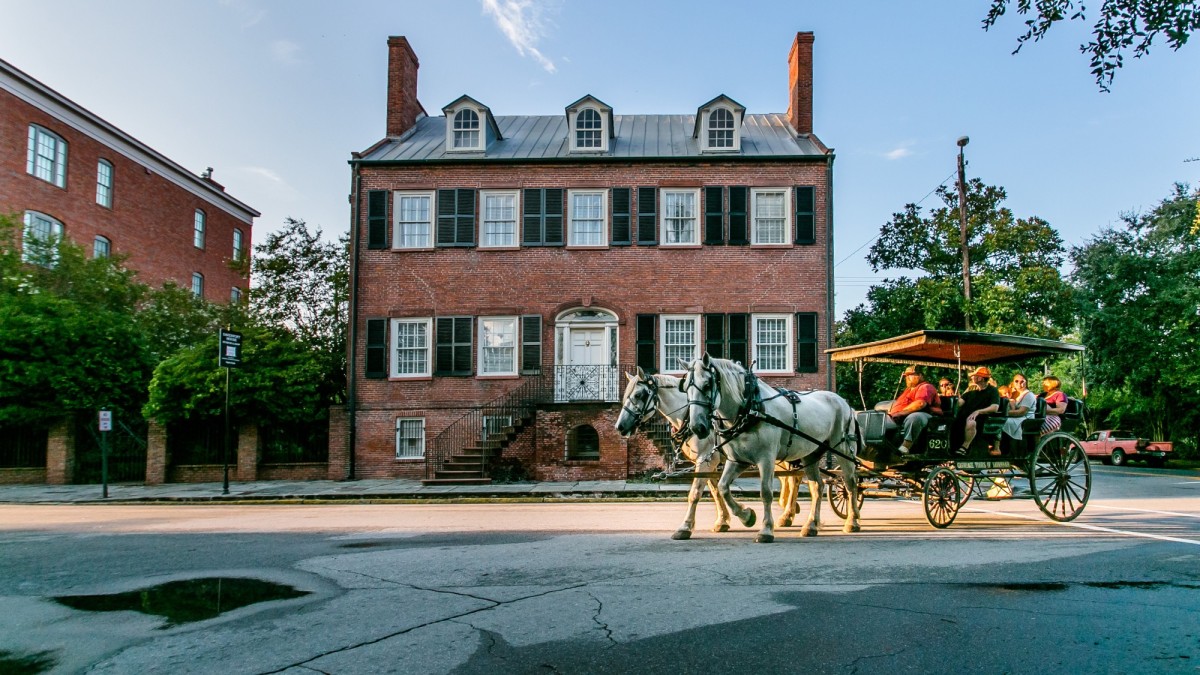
{"type": "Point", "coordinates": [952, 348]}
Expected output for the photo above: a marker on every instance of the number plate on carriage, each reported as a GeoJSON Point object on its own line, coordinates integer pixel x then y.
{"type": "Point", "coordinates": [938, 444]}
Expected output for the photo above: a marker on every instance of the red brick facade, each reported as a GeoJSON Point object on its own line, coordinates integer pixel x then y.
{"type": "Point", "coordinates": [544, 281]}
{"type": "Point", "coordinates": [154, 200]}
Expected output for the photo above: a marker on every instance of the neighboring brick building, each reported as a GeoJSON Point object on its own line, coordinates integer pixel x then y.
{"type": "Point", "coordinates": [67, 172]}
{"type": "Point", "coordinates": [507, 269]}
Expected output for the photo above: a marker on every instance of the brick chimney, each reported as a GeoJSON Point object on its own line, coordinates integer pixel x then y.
{"type": "Point", "coordinates": [402, 105]}
{"type": "Point", "coordinates": [800, 84]}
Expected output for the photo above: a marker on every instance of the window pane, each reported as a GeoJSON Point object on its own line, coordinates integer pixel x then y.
{"type": "Point", "coordinates": [770, 344]}
{"type": "Point", "coordinates": [720, 129]}
{"type": "Point", "coordinates": [498, 346]}
{"type": "Point", "coordinates": [770, 220]}
{"type": "Point", "coordinates": [101, 248]}
{"type": "Point", "coordinates": [679, 342]}
{"type": "Point", "coordinates": [198, 229]}
{"type": "Point", "coordinates": [237, 244]}
{"type": "Point", "coordinates": [410, 438]}
{"type": "Point", "coordinates": [679, 209]}
{"type": "Point", "coordinates": [413, 221]}
{"type": "Point", "coordinates": [587, 219]}
{"type": "Point", "coordinates": [588, 128]}
{"type": "Point", "coordinates": [104, 177]}
{"type": "Point", "coordinates": [412, 347]}
{"type": "Point", "coordinates": [500, 220]}
{"type": "Point", "coordinates": [466, 129]}
{"type": "Point", "coordinates": [198, 285]}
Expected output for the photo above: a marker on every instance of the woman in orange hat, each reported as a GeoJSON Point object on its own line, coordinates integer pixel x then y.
{"type": "Point", "coordinates": [982, 400]}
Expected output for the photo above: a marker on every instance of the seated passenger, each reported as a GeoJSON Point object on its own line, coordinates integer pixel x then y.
{"type": "Point", "coordinates": [946, 388]}
{"type": "Point", "coordinates": [1056, 403]}
{"type": "Point", "coordinates": [980, 398]}
{"type": "Point", "coordinates": [912, 409]}
{"type": "Point", "coordinates": [1024, 403]}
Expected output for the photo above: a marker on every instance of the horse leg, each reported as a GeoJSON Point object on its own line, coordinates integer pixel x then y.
{"type": "Point", "coordinates": [850, 479]}
{"type": "Point", "coordinates": [766, 469]}
{"type": "Point", "coordinates": [685, 530]}
{"type": "Point", "coordinates": [722, 522]}
{"type": "Point", "coordinates": [732, 470]}
{"type": "Point", "coordinates": [813, 526]}
{"type": "Point", "coordinates": [789, 488]}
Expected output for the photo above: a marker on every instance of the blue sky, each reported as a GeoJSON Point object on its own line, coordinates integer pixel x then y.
{"type": "Point", "coordinates": [275, 94]}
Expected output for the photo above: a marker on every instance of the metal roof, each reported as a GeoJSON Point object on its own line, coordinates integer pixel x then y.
{"type": "Point", "coordinates": [951, 347]}
{"type": "Point", "coordinates": [544, 137]}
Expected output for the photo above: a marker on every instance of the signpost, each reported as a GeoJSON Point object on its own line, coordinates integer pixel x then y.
{"type": "Point", "coordinates": [105, 427]}
{"type": "Point", "coordinates": [229, 356]}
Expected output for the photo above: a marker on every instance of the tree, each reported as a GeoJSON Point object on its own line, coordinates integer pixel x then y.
{"type": "Point", "coordinates": [1123, 24]}
{"type": "Point", "coordinates": [1139, 290]}
{"type": "Point", "coordinates": [301, 284]}
{"type": "Point", "coordinates": [1016, 287]}
{"type": "Point", "coordinates": [68, 339]}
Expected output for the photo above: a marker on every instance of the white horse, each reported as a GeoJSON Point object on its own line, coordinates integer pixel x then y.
{"type": "Point", "coordinates": [645, 394]}
{"type": "Point", "coordinates": [716, 397]}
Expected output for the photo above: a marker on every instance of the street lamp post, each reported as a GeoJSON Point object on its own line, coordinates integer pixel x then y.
{"type": "Point", "coordinates": [962, 226]}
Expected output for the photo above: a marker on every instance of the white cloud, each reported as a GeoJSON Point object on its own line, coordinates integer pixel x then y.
{"type": "Point", "coordinates": [285, 52]}
{"type": "Point", "coordinates": [900, 152]}
{"type": "Point", "coordinates": [520, 21]}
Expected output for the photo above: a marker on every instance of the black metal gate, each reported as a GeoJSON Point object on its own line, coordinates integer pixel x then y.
{"type": "Point", "coordinates": [126, 450]}
{"type": "Point", "coordinates": [23, 447]}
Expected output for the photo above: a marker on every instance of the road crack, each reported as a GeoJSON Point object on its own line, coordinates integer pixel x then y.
{"type": "Point", "coordinates": [604, 626]}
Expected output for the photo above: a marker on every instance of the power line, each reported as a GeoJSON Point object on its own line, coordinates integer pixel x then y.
{"type": "Point", "coordinates": [917, 204]}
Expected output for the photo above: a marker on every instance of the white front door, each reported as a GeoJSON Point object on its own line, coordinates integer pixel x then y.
{"type": "Point", "coordinates": [586, 372]}
{"type": "Point", "coordinates": [587, 347]}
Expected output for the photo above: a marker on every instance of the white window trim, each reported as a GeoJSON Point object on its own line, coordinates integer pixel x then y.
{"type": "Point", "coordinates": [662, 217]}
{"type": "Point", "coordinates": [450, 147]}
{"type": "Point", "coordinates": [197, 276]}
{"type": "Point", "coordinates": [239, 243]}
{"type": "Point", "coordinates": [57, 232]}
{"type": "Point", "coordinates": [516, 346]}
{"type": "Point", "coordinates": [789, 342]}
{"type": "Point", "coordinates": [106, 203]}
{"type": "Point", "coordinates": [788, 226]}
{"type": "Point", "coordinates": [58, 167]}
{"type": "Point", "coordinates": [393, 347]}
{"type": "Point", "coordinates": [423, 438]}
{"type": "Point", "coordinates": [674, 368]}
{"type": "Point", "coordinates": [398, 234]}
{"type": "Point", "coordinates": [107, 244]}
{"type": "Point", "coordinates": [737, 131]}
{"type": "Point", "coordinates": [482, 218]}
{"type": "Point", "coordinates": [575, 147]}
{"type": "Point", "coordinates": [603, 218]}
{"type": "Point", "coordinates": [200, 233]}
{"type": "Point", "coordinates": [235, 294]}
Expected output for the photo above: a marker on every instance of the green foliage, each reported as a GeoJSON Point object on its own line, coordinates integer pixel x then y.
{"type": "Point", "coordinates": [1016, 287]}
{"type": "Point", "coordinates": [1123, 24]}
{"type": "Point", "coordinates": [281, 380]}
{"type": "Point", "coordinates": [68, 341]}
{"type": "Point", "coordinates": [1139, 289]}
{"type": "Point", "coordinates": [302, 285]}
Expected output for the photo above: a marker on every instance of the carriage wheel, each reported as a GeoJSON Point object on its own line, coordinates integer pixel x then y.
{"type": "Point", "coordinates": [942, 498]}
{"type": "Point", "coordinates": [1060, 477]}
{"type": "Point", "coordinates": [966, 483]}
{"type": "Point", "coordinates": [839, 497]}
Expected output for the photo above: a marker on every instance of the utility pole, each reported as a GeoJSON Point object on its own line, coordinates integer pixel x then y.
{"type": "Point", "coordinates": [962, 226]}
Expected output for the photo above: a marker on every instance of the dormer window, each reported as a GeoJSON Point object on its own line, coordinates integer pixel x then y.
{"type": "Point", "coordinates": [466, 130]}
{"type": "Point", "coordinates": [719, 125]}
{"type": "Point", "coordinates": [720, 129]}
{"type": "Point", "coordinates": [589, 130]}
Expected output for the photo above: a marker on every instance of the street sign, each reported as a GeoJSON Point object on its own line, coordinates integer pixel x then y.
{"type": "Point", "coordinates": [230, 355]}
{"type": "Point", "coordinates": [105, 420]}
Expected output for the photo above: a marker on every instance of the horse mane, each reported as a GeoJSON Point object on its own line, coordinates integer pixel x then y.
{"type": "Point", "coordinates": [732, 375]}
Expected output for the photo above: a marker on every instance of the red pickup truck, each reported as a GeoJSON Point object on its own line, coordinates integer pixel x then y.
{"type": "Point", "coordinates": [1118, 447]}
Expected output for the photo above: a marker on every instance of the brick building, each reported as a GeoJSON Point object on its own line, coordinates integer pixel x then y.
{"type": "Point", "coordinates": [508, 269]}
{"type": "Point", "coordinates": [67, 172]}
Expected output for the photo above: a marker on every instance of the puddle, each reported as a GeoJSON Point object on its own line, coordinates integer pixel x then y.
{"type": "Point", "coordinates": [186, 601]}
{"type": "Point", "coordinates": [25, 664]}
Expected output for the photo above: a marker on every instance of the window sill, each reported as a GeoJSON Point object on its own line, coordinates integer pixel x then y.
{"type": "Point", "coordinates": [413, 248]}
{"type": "Point", "coordinates": [513, 247]}
{"type": "Point", "coordinates": [587, 247]}
{"type": "Point", "coordinates": [505, 376]}
{"type": "Point", "coordinates": [410, 460]}
{"type": "Point", "coordinates": [412, 378]}
{"type": "Point", "coordinates": [770, 246]}
{"type": "Point", "coordinates": [680, 246]}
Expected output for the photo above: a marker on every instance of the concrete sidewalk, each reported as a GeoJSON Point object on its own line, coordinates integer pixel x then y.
{"type": "Point", "coordinates": [356, 490]}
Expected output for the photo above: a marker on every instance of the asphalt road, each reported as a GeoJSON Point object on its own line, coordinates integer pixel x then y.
{"type": "Point", "coordinates": [600, 587]}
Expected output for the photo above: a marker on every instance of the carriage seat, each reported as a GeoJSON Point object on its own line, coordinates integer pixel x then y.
{"type": "Point", "coordinates": [991, 424]}
{"type": "Point", "coordinates": [884, 406]}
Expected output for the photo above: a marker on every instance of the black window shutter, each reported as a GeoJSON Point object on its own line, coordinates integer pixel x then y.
{"type": "Point", "coordinates": [554, 216]}
{"type": "Point", "coordinates": [806, 212]}
{"type": "Point", "coordinates": [452, 354]}
{"type": "Point", "coordinates": [447, 214]}
{"type": "Point", "coordinates": [714, 335]}
{"type": "Point", "coordinates": [465, 223]}
{"type": "Point", "coordinates": [531, 344]}
{"type": "Point", "coordinates": [376, 348]}
{"type": "Point", "coordinates": [806, 342]}
{"type": "Point", "coordinates": [737, 216]}
{"type": "Point", "coordinates": [647, 356]}
{"type": "Point", "coordinates": [714, 216]}
{"type": "Point", "coordinates": [463, 340]}
{"type": "Point", "coordinates": [739, 343]}
{"type": "Point", "coordinates": [532, 233]}
{"type": "Point", "coordinates": [377, 224]}
{"type": "Point", "coordinates": [647, 234]}
{"type": "Point", "coordinates": [621, 201]}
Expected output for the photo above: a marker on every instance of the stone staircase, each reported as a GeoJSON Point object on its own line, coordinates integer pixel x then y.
{"type": "Point", "coordinates": [468, 465]}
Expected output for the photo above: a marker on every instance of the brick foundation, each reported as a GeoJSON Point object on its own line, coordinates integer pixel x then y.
{"type": "Point", "coordinates": [60, 453]}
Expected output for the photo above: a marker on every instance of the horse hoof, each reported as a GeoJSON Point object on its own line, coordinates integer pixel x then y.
{"type": "Point", "coordinates": [809, 532]}
{"type": "Point", "coordinates": [750, 518]}
{"type": "Point", "coordinates": [764, 539]}
{"type": "Point", "coordinates": [786, 522]}
{"type": "Point", "coordinates": [680, 535]}
{"type": "Point", "coordinates": [723, 527]}
{"type": "Point", "coordinates": [853, 528]}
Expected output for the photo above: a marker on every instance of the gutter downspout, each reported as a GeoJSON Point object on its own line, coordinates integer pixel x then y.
{"type": "Point", "coordinates": [829, 266]}
{"type": "Point", "coordinates": [352, 364]}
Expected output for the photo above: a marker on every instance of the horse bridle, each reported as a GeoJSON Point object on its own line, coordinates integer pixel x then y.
{"type": "Point", "coordinates": [709, 393]}
{"type": "Point", "coordinates": [648, 406]}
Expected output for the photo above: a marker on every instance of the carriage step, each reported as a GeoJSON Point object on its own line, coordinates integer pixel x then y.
{"type": "Point", "coordinates": [456, 481]}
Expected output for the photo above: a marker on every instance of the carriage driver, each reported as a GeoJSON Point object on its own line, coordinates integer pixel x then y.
{"type": "Point", "coordinates": [912, 409]}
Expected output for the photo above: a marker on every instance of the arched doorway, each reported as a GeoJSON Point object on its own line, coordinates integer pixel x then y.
{"type": "Point", "coordinates": [585, 355]}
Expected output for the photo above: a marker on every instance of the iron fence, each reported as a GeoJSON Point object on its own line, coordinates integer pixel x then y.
{"type": "Point", "coordinates": [23, 447]}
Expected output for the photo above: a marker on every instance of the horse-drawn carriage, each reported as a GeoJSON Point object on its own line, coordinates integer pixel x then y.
{"type": "Point", "coordinates": [1060, 478]}
{"type": "Point", "coordinates": [733, 416]}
